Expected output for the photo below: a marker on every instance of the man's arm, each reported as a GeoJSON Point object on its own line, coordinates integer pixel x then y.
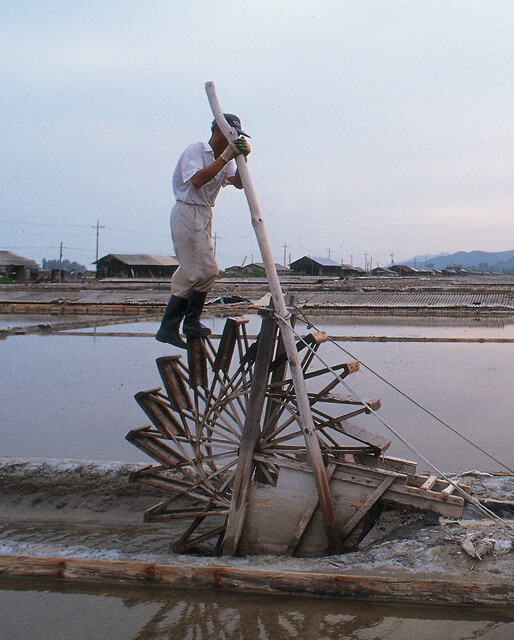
{"type": "Point", "coordinates": [236, 180]}
{"type": "Point", "coordinates": [205, 175]}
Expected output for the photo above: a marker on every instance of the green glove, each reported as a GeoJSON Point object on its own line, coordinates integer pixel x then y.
{"type": "Point", "coordinates": [243, 145]}
{"type": "Point", "coordinates": [240, 145]}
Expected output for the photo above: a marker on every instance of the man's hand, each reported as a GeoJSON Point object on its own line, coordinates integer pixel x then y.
{"type": "Point", "coordinates": [243, 145]}
{"type": "Point", "coordinates": [234, 149]}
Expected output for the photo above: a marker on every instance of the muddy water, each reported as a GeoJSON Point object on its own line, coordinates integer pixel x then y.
{"type": "Point", "coordinates": [89, 613]}
{"type": "Point", "coordinates": [70, 396]}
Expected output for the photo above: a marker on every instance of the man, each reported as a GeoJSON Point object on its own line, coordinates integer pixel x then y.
{"type": "Point", "coordinates": [201, 171]}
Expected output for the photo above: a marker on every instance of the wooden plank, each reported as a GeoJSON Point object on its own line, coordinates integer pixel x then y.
{"type": "Point", "coordinates": [160, 415]}
{"type": "Point", "coordinates": [311, 339]}
{"type": "Point", "coordinates": [349, 526]}
{"type": "Point", "coordinates": [193, 542]}
{"type": "Point", "coordinates": [154, 447]}
{"type": "Point", "coordinates": [332, 398]}
{"type": "Point", "coordinates": [390, 464]}
{"type": "Point", "coordinates": [227, 344]}
{"type": "Point", "coordinates": [249, 436]}
{"type": "Point", "coordinates": [197, 362]}
{"type": "Point", "coordinates": [359, 433]}
{"type": "Point", "coordinates": [430, 482]}
{"type": "Point", "coordinates": [371, 588]}
{"type": "Point", "coordinates": [174, 382]}
{"type": "Point", "coordinates": [451, 488]}
{"type": "Point", "coordinates": [310, 506]}
{"type": "Point", "coordinates": [343, 369]}
{"type": "Point", "coordinates": [273, 408]}
{"type": "Point", "coordinates": [399, 493]}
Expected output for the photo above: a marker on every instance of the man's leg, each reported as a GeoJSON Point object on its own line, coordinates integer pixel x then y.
{"type": "Point", "coordinates": [170, 323]}
{"type": "Point", "coordinates": [182, 228]}
{"type": "Point", "coordinates": [192, 324]}
{"type": "Point", "coordinates": [206, 270]}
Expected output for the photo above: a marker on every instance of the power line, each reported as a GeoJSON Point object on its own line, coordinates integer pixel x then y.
{"type": "Point", "coordinates": [45, 224]}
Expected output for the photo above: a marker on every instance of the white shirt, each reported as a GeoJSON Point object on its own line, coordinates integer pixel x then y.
{"type": "Point", "coordinates": [198, 156]}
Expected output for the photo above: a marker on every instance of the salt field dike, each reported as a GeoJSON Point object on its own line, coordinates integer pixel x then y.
{"type": "Point", "coordinates": [100, 506]}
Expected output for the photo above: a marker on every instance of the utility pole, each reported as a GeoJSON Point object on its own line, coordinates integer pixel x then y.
{"type": "Point", "coordinates": [215, 238]}
{"type": "Point", "coordinates": [60, 263]}
{"type": "Point", "coordinates": [351, 259]}
{"type": "Point", "coordinates": [329, 250]}
{"type": "Point", "coordinates": [366, 261]}
{"type": "Point", "coordinates": [285, 249]}
{"type": "Point", "coordinates": [98, 227]}
{"type": "Point", "coordinates": [392, 259]}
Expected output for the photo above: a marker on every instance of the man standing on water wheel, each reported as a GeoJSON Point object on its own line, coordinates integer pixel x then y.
{"type": "Point", "coordinates": [201, 171]}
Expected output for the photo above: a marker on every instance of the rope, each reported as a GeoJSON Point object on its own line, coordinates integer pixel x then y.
{"type": "Point", "coordinates": [415, 402]}
{"type": "Point", "coordinates": [490, 514]}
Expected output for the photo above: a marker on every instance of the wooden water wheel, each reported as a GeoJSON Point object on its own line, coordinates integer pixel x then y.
{"type": "Point", "coordinates": [231, 413]}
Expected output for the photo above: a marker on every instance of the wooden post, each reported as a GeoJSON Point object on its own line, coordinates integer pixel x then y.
{"type": "Point", "coordinates": [249, 435]}
{"type": "Point", "coordinates": [305, 417]}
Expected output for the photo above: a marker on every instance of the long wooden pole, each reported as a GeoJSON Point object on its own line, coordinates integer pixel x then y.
{"type": "Point", "coordinates": [305, 416]}
{"type": "Point", "coordinates": [400, 588]}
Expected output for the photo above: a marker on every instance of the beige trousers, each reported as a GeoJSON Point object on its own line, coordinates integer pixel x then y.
{"type": "Point", "coordinates": [191, 226]}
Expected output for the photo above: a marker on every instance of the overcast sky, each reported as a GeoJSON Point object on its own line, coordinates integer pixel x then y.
{"type": "Point", "coordinates": [378, 127]}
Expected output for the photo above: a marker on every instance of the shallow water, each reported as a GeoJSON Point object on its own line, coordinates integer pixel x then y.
{"type": "Point", "coordinates": [69, 396]}
{"type": "Point", "coordinates": [119, 613]}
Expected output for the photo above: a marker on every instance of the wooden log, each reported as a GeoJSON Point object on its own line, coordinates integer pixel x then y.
{"type": "Point", "coordinates": [371, 588]}
{"type": "Point", "coordinates": [282, 315]}
{"type": "Point", "coordinates": [174, 383]}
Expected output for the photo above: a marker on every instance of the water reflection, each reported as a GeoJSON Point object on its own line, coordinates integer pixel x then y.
{"type": "Point", "coordinates": [66, 611]}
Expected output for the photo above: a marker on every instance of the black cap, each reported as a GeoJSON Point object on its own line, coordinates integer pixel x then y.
{"type": "Point", "coordinates": [234, 122]}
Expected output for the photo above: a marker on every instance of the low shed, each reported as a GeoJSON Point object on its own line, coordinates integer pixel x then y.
{"type": "Point", "coordinates": [312, 266]}
{"type": "Point", "coordinates": [17, 267]}
{"type": "Point", "coordinates": [138, 265]}
{"type": "Point", "coordinates": [258, 267]}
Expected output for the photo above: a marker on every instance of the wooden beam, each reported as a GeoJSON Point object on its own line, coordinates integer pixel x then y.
{"type": "Point", "coordinates": [227, 344]}
{"type": "Point", "coordinates": [349, 526]}
{"type": "Point", "coordinates": [371, 588]}
{"type": "Point", "coordinates": [359, 433]}
{"type": "Point", "coordinates": [197, 362]}
{"type": "Point", "coordinates": [249, 436]}
{"type": "Point", "coordinates": [174, 383]}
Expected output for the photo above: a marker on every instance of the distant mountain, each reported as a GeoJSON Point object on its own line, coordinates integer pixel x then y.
{"type": "Point", "coordinates": [495, 261]}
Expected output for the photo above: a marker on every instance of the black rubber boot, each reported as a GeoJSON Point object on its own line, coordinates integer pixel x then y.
{"type": "Point", "coordinates": [170, 323]}
{"type": "Point", "coordinates": [194, 310]}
